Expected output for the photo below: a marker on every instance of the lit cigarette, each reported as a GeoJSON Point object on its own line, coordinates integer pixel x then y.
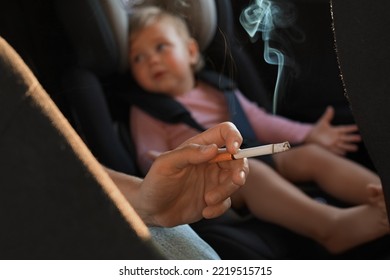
{"type": "Point", "coordinates": [252, 152]}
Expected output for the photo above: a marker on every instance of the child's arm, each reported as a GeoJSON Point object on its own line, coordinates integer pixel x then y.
{"type": "Point", "coordinates": [273, 128]}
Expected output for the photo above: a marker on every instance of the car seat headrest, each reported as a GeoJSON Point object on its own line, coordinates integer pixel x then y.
{"type": "Point", "coordinates": [201, 15]}
{"type": "Point", "coordinates": [98, 29]}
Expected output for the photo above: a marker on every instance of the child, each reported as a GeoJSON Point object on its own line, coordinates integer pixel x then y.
{"type": "Point", "coordinates": [163, 59]}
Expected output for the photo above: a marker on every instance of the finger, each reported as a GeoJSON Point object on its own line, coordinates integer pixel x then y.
{"type": "Point", "coordinates": [328, 115]}
{"type": "Point", "coordinates": [374, 190]}
{"type": "Point", "coordinates": [229, 181]}
{"type": "Point", "coordinates": [214, 211]}
{"type": "Point", "coordinates": [192, 154]}
{"type": "Point", "coordinates": [348, 147]}
{"type": "Point", "coordinates": [240, 170]}
{"type": "Point", "coordinates": [351, 138]}
{"type": "Point", "coordinates": [338, 151]}
{"type": "Point", "coordinates": [239, 177]}
{"type": "Point", "coordinates": [223, 134]}
{"type": "Point", "coordinates": [348, 128]}
{"type": "Point", "coordinates": [220, 193]}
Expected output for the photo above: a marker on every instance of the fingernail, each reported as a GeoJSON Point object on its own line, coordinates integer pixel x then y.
{"type": "Point", "coordinates": [242, 174]}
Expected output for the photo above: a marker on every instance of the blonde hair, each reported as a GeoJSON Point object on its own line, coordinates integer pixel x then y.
{"type": "Point", "coordinates": [142, 17]}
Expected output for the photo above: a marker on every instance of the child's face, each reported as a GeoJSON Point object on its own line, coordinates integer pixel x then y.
{"type": "Point", "coordinates": [161, 60]}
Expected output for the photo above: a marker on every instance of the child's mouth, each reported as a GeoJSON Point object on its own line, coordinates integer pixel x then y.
{"type": "Point", "coordinates": [158, 75]}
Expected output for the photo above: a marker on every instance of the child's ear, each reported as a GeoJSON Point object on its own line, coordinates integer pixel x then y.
{"type": "Point", "coordinates": [193, 50]}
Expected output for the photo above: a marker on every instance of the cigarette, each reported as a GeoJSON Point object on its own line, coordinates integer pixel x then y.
{"type": "Point", "coordinates": [252, 152]}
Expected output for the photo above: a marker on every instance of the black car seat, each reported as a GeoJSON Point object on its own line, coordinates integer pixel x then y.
{"type": "Point", "coordinates": [362, 40]}
{"type": "Point", "coordinates": [96, 30]}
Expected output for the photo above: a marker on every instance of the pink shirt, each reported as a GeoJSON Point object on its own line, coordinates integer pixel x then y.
{"type": "Point", "coordinates": [208, 107]}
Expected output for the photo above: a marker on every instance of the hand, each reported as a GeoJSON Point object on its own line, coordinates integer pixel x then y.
{"type": "Point", "coordinates": [182, 186]}
{"type": "Point", "coordinates": [337, 139]}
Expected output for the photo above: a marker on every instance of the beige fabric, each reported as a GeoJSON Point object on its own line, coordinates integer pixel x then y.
{"type": "Point", "coordinates": [201, 15]}
{"type": "Point", "coordinates": [117, 18]}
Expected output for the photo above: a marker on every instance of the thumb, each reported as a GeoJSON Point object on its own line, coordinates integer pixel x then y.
{"type": "Point", "coordinates": [328, 115]}
{"type": "Point", "coordinates": [193, 154]}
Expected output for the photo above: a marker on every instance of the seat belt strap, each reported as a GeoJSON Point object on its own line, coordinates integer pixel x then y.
{"type": "Point", "coordinates": [238, 116]}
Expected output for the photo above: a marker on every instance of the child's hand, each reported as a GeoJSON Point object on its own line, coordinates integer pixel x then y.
{"type": "Point", "coordinates": [337, 139]}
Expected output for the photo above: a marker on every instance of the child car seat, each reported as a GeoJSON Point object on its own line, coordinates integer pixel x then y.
{"type": "Point", "coordinates": [93, 28]}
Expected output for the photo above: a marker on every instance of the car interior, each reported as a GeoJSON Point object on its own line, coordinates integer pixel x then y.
{"type": "Point", "coordinates": [364, 73]}
{"type": "Point", "coordinates": [76, 49]}
{"type": "Point", "coordinates": [45, 213]}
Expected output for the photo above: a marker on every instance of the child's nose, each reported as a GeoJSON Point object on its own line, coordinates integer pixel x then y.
{"type": "Point", "coordinates": [153, 58]}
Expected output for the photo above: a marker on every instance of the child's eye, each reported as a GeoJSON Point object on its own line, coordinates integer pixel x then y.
{"type": "Point", "coordinates": [138, 58]}
{"type": "Point", "coordinates": [161, 47]}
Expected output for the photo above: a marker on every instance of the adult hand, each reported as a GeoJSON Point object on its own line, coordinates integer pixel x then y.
{"type": "Point", "coordinates": [182, 186]}
{"type": "Point", "coordinates": [337, 139]}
